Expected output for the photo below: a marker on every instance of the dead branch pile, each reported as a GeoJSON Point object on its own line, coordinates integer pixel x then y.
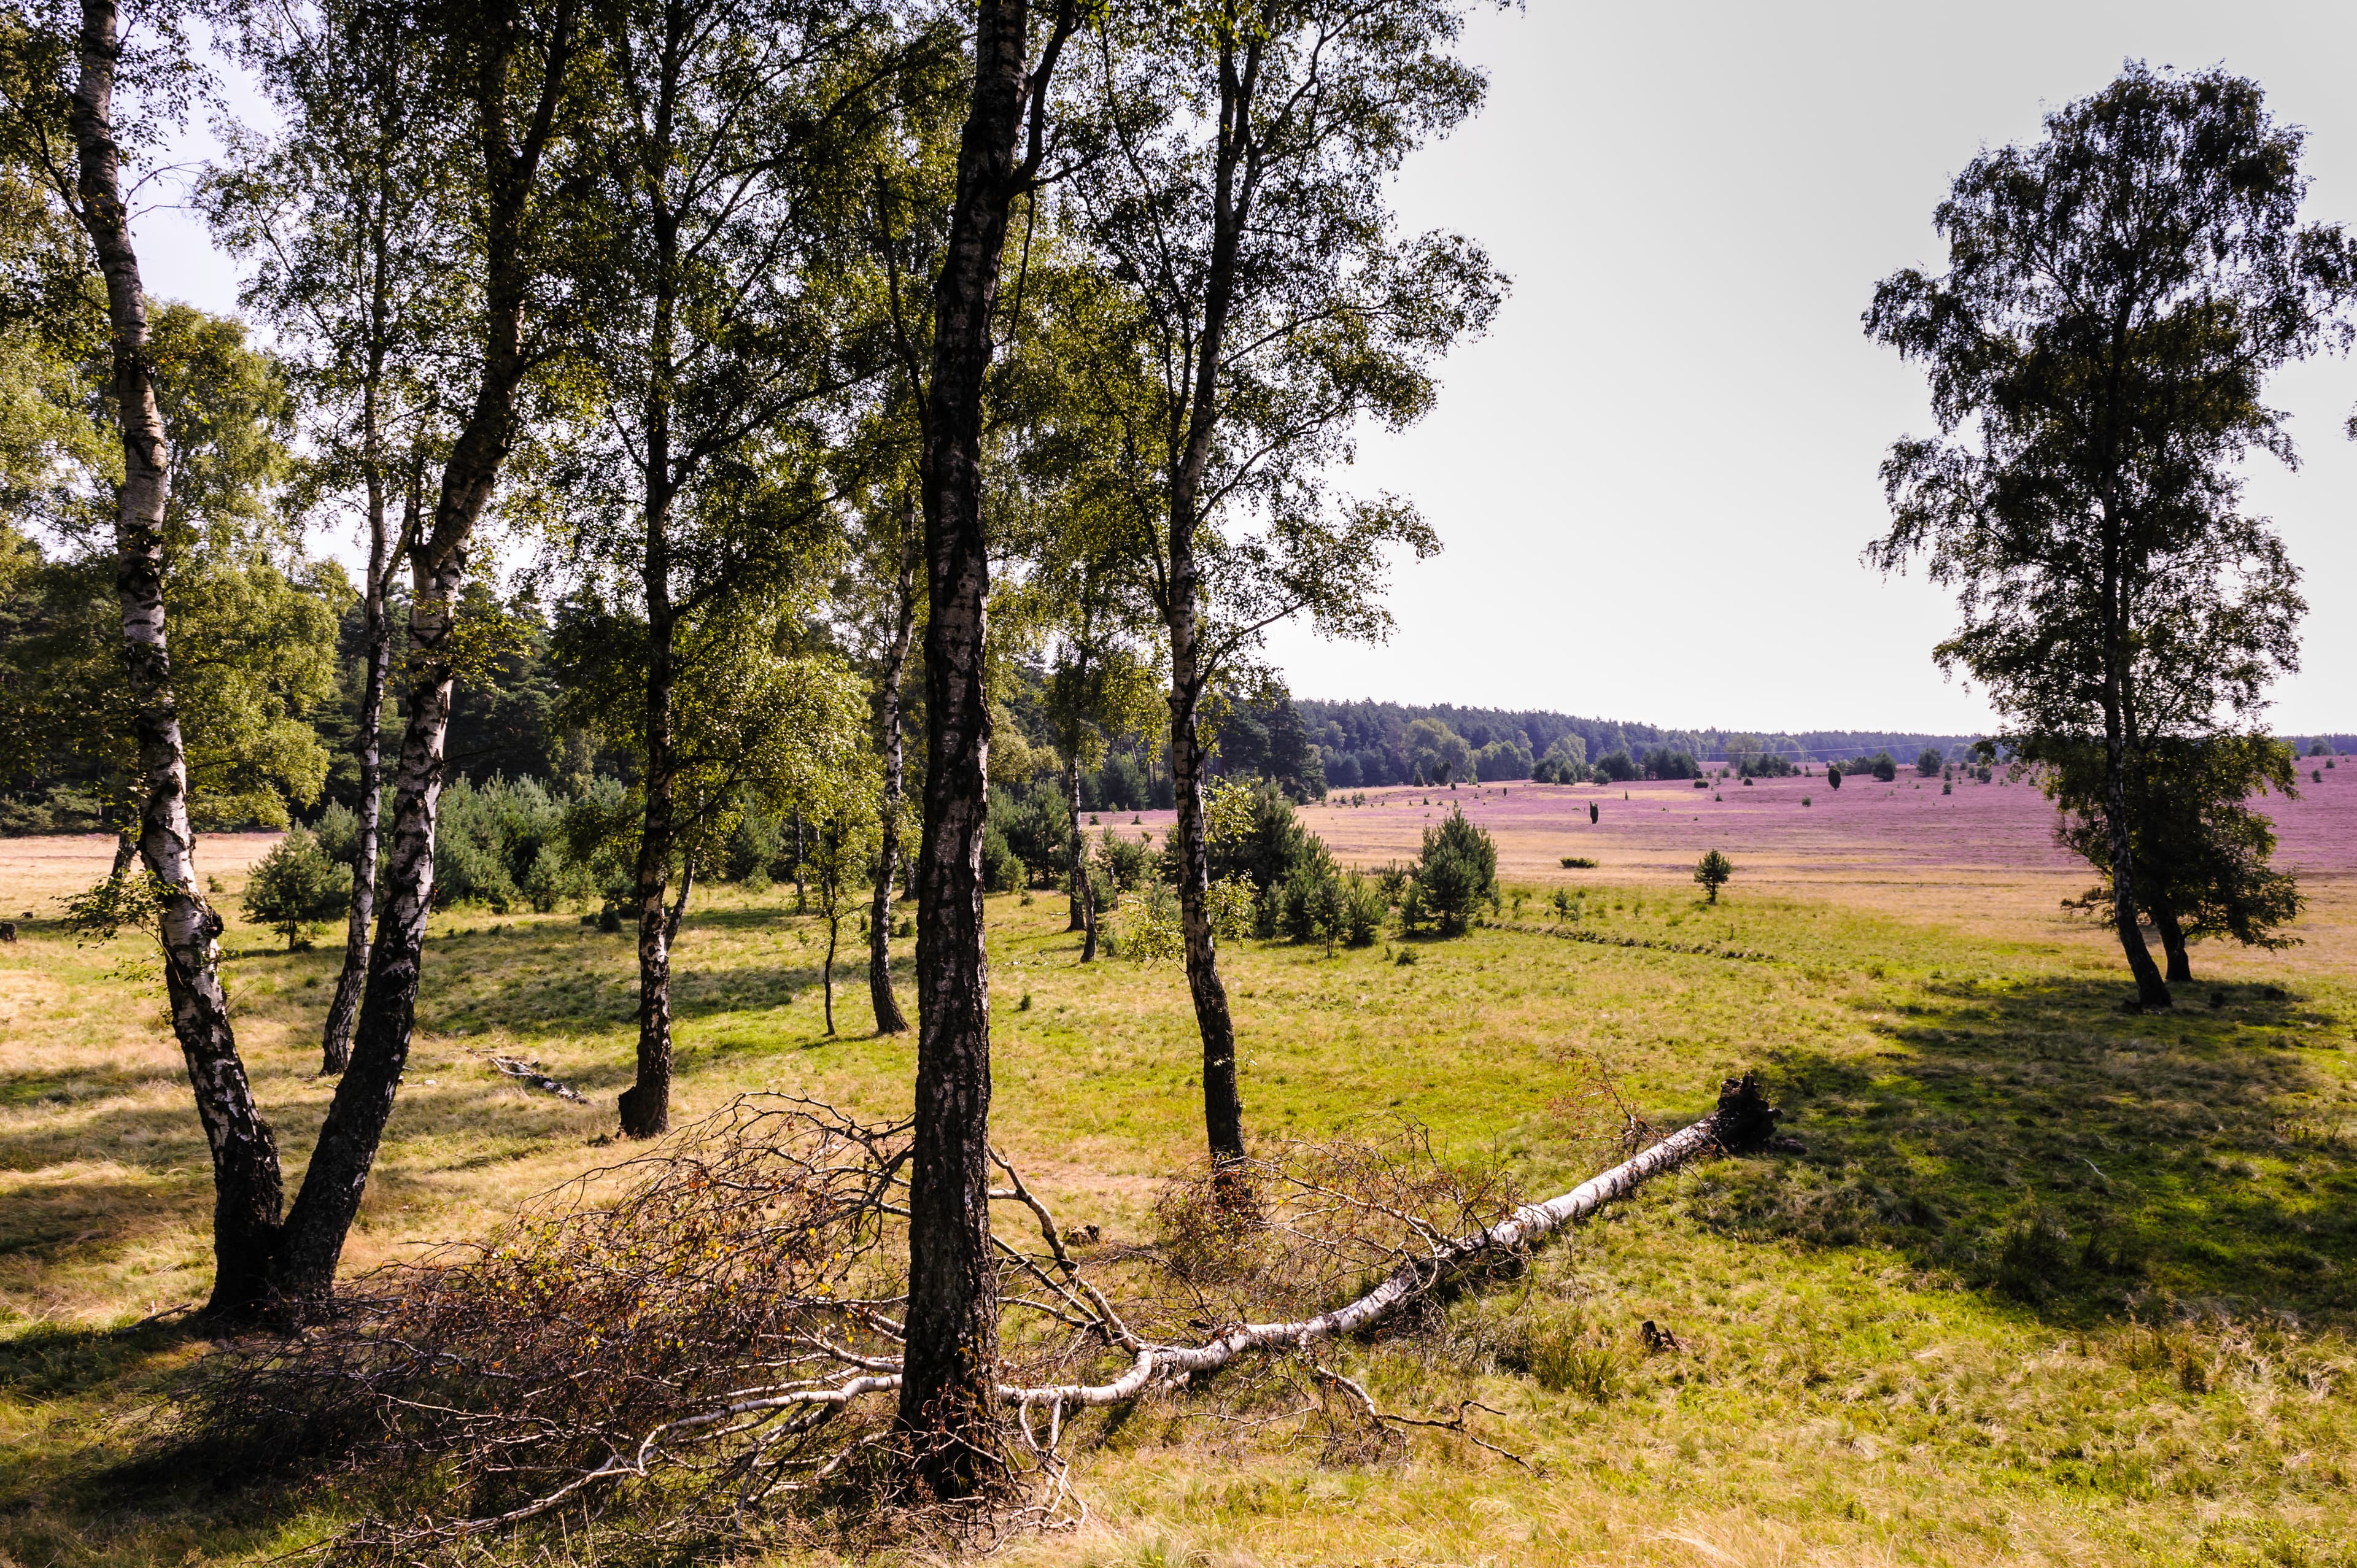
{"type": "Point", "coordinates": [717, 1325]}
{"type": "Point", "coordinates": [685, 1361]}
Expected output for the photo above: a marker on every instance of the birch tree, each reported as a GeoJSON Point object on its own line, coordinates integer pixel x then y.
{"type": "Point", "coordinates": [731, 190]}
{"type": "Point", "coordinates": [86, 95]}
{"type": "Point", "coordinates": [2116, 296]}
{"type": "Point", "coordinates": [348, 221]}
{"type": "Point", "coordinates": [1263, 307]}
{"type": "Point", "coordinates": [518, 67]}
{"type": "Point", "coordinates": [947, 1385]}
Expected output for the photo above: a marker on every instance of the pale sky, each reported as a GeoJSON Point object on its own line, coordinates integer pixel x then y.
{"type": "Point", "coordinates": [1654, 477]}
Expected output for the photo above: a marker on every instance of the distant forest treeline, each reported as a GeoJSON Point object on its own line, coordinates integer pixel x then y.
{"type": "Point", "coordinates": [1364, 744]}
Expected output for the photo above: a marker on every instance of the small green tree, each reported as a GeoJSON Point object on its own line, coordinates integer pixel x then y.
{"type": "Point", "coordinates": [1713, 872]}
{"type": "Point", "coordinates": [297, 888]}
{"type": "Point", "coordinates": [1457, 871]}
{"type": "Point", "coordinates": [1927, 765]}
{"type": "Point", "coordinates": [843, 847]}
{"type": "Point", "coordinates": [1833, 777]}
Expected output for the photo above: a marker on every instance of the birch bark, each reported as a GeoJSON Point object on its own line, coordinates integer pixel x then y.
{"type": "Point", "coordinates": [246, 1182]}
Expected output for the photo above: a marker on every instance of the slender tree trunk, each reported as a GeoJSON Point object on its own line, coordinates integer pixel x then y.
{"type": "Point", "coordinates": [1076, 849]}
{"type": "Point", "coordinates": [337, 1179]}
{"type": "Point", "coordinates": [1084, 894]}
{"type": "Point", "coordinates": [646, 1104]}
{"type": "Point", "coordinates": [1233, 182]}
{"type": "Point", "coordinates": [949, 1366]}
{"type": "Point", "coordinates": [2172, 943]}
{"type": "Point", "coordinates": [678, 904]}
{"type": "Point", "coordinates": [2151, 991]}
{"type": "Point", "coordinates": [126, 850]}
{"type": "Point", "coordinates": [246, 1184]}
{"type": "Point", "coordinates": [889, 1017]}
{"type": "Point", "coordinates": [1224, 1109]}
{"type": "Point", "coordinates": [336, 1040]}
{"type": "Point", "coordinates": [826, 971]}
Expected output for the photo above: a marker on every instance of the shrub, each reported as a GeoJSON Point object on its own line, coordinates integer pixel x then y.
{"type": "Point", "coordinates": [1322, 903]}
{"type": "Point", "coordinates": [296, 888]}
{"type": "Point", "coordinates": [1232, 908]}
{"type": "Point", "coordinates": [2032, 1255]}
{"type": "Point", "coordinates": [1927, 765]}
{"type": "Point", "coordinates": [508, 843]}
{"type": "Point", "coordinates": [1457, 872]}
{"type": "Point", "coordinates": [1147, 931]}
{"type": "Point", "coordinates": [338, 832]}
{"type": "Point", "coordinates": [1036, 825]}
{"type": "Point", "coordinates": [1713, 871]}
{"type": "Point", "coordinates": [1126, 862]}
{"type": "Point", "coordinates": [753, 850]}
{"type": "Point", "coordinates": [1804, 799]}
{"type": "Point", "coordinates": [1002, 870]}
{"type": "Point", "coordinates": [1884, 768]}
{"type": "Point", "coordinates": [1833, 777]}
{"type": "Point", "coordinates": [1364, 907]}
{"type": "Point", "coordinates": [1579, 862]}
{"type": "Point", "coordinates": [601, 841]}
{"type": "Point", "coordinates": [1255, 834]}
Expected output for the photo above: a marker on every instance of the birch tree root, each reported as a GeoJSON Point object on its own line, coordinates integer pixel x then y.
{"type": "Point", "coordinates": [715, 1341]}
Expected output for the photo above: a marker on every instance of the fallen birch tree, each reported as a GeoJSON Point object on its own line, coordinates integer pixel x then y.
{"type": "Point", "coordinates": [718, 1339]}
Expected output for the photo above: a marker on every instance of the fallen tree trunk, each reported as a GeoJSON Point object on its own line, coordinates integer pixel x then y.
{"type": "Point", "coordinates": [1744, 1120]}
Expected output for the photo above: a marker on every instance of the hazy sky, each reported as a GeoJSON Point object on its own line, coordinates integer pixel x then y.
{"type": "Point", "coordinates": [1654, 477]}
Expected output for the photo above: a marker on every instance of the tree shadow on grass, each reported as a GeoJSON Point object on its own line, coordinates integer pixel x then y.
{"type": "Point", "coordinates": [2086, 1162]}
{"type": "Point", "coordinates": [120, 1488]}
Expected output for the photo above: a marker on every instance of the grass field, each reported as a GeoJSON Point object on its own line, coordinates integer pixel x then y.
{"type": "Point", "coordinates": [2051, 1283]}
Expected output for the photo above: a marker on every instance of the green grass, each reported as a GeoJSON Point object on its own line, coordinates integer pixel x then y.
{"type": "Point", "coordinates": [2051, 1281]}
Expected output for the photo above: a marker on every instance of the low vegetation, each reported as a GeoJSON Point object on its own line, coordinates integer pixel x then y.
{"type": "Point", "coordinates": [2046, 1281]}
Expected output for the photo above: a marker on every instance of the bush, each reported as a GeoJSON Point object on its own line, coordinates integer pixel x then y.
{"type": "Point", "coordinates": [1147, 931]}
{"type": "Point", "coordinates": [1579, 862]}
{"type": "Point", "coordinates": [1266, 848]}
{"type": "Point", "coordinates": [1126, 862]}
{"type": "Point", "coordinates": [1927, 765]}
{"type": "Point", "coordinates": [1322, 903]}
{"type": "Point", "coordinates": [1232, 909]}
{"type": "Point", "coordinates": [1002, 869]}
{"type": "Point", "coordinates": [601, 841]}
{"type": "Point", "coordinates": [1457, 872]}
{"type": "Point", "coordinates": [297, 888]}
{"type": "Point", "coordinates": [753, 850]}
{"type": "Point", "coordinates": [507, 844]}
{"type": "Point", "coordinates": [1036, 826]}
{"type": "Point", "coordinates": [1833, 777]}
{"type": "Point", "coordinates": [1884, 766]}
{"type": "Point", "coordinates": [1713, 872]}
{"type": "Point", "coordinates": [338, 832]}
